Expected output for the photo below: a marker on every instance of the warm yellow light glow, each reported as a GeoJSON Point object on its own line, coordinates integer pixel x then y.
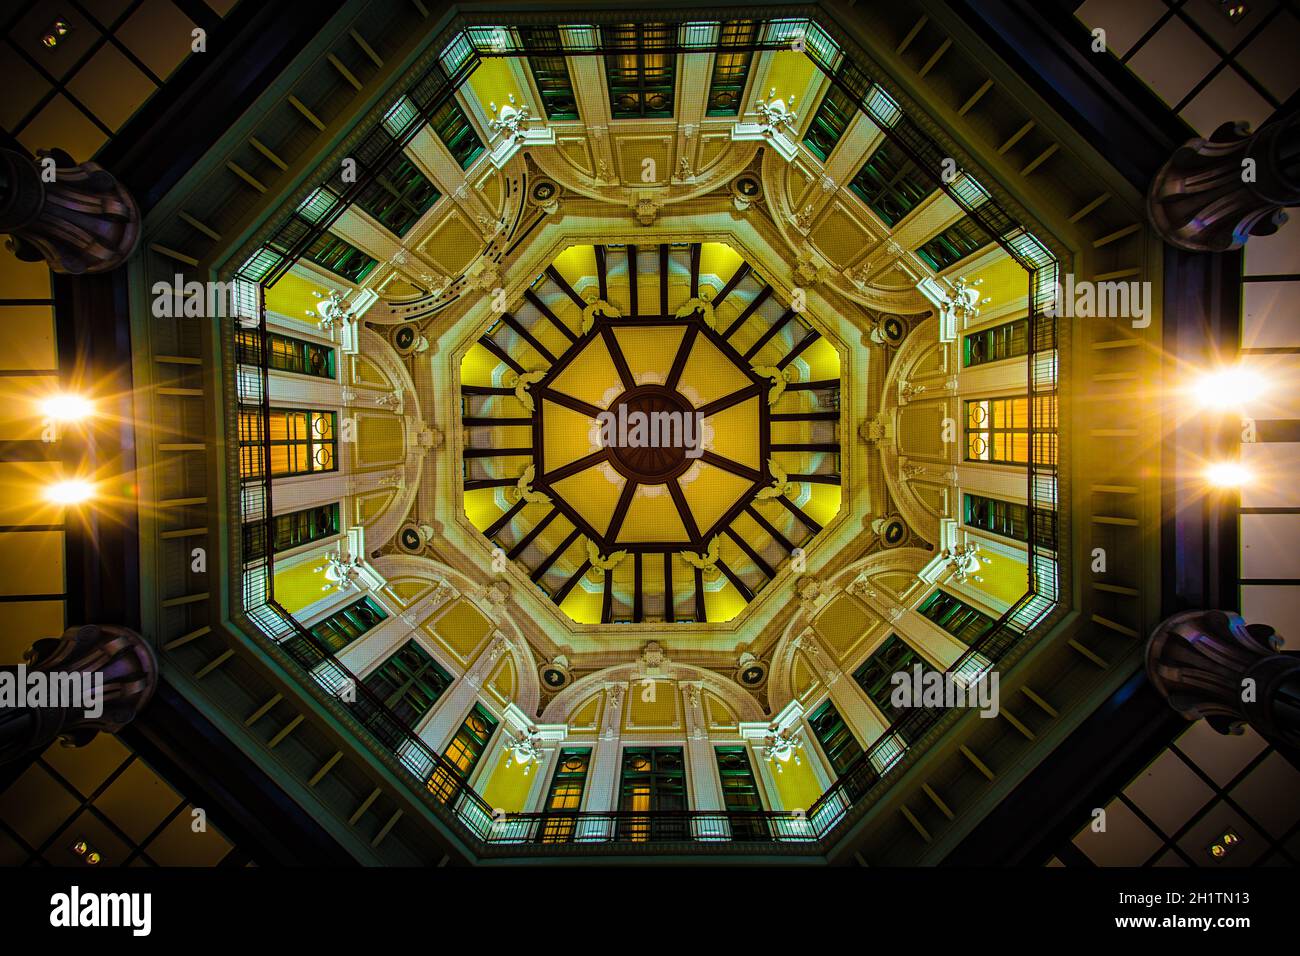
{"type": "Point", "coordinates": [1229, 387]}
{"type": "Point", "coordinates": [1227, 474]}
{"type": "Point", "coordinates": [70, 492]}
{"type": "Point", "coordinates": [67, 408]}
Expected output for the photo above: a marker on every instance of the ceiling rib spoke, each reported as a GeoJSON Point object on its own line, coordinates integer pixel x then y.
{"type": "Point", "coordinates": [748, 311]}
{"type": "Point", "coordinates": [540, 571]}
{"type": "Point", "coordinates": [683, 353]}
{"type": "Point", "coordinates": [619, 359]}
{"type": "Point", "coordinates": [728, 464]}
{"type": "Point", "coordinates": [574, 467]}
{"type": "Point", "coordinates": [684, 512]}
{"type": "Point", "coordinates": [727, 401]}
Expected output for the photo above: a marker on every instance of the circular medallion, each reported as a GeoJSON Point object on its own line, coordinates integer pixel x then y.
{"type": "Point", "coordinates": [649, 432]}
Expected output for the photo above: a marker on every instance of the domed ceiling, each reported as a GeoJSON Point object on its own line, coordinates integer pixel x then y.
{"type": "Point", "coordinates": [650, 433]}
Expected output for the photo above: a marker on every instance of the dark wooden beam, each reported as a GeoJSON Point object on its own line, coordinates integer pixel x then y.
{"type": "Point", "coordinates": [619, 359]}
{"type": "Point", "coordinates": [752, 554]}
{"type": "Point", "coordinates": [573, 467]}
{"type": "Point", "coordinates": [728, 464]}
{"type": "Point", "coordinates": [527, 539]}
{"type": "Point", "coordinates": [631, 278]}
{"type": "Point", "coordinates": [684, 510]}
{"type": "Point", "coordinates": [478, 421]}
{"type": "Point", "coordinates": [492, 530]}
{"type": "Point", "coordinates": [540, 571]}
{"type": "Point", "coordinates": [500, 353]}
{"type": "Point", "coordinates": [602, 271]}
{"type": "Point", "coordinates": [736, 582]}
{"type": "Point", "coordinates": [735, 398]}
{"type": "Point", "coordinates": [559, 596]}
{"type": "Point", "coordinates": [683, 353]}
{"type": "Point", "coordinates": [767, 336]}
{"type": "Point", "coordinates": [816, 478]}
{"type": "Point", "coordinates": [663, 278]}
{"type": "Point", "coordinates": [528, 337]}
{"type": "Point", "coordinates": [607, 599]}
{"type": "Point", "coordinates": [748, 311]}
{"type": "Point", "coordinates": [798, 512]}
{"type": "Point", "coordinates": [620, 512]}
{"type": "Point", "coordinates": [474, 484]}
{"type": "Point", "coordinates": [695, 272]}
{"type": "Point", "coordinates": [832, 416]}
{"type": "Point", "coordinates": [562, 284]}
{"type": "Point", "coordinates": [819, 383]}
{"type": "Point", "coordinates": [737, 277]}
{"type": "Point", "coordinates": [701, 612]}
{"type": "Point", "coordinates": [532, 299]}
{"type": "Point", "coordinates": [786, 544]}
{"type": "Point", "coordinates": [830, 448]}
{"type": "Point", "coordinates": [795, 352]}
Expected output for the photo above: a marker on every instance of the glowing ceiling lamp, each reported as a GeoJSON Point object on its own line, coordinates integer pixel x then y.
{"type": "Point", "coordinates": [72, 492]}
{"type": "Point", "coordinates": [66, 407]}
{"type": "Point", "coordinates": [1229, 387]}
{"type": "Point", "coordinates": [1227, 474]}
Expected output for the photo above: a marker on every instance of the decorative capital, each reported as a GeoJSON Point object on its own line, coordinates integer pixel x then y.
{"type": "Point", "coordinates": [77, 218]}
{"type": "Point", "coordinates": [1212, 664]}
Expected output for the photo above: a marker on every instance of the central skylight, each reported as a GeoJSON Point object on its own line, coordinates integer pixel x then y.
{"type": "Point", "coordinates": [650, 434]}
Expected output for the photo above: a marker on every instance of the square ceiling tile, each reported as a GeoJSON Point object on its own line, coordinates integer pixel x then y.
{"type": "Point", "coordinates": [159, 34]}
{"type": "Point", "coordinates": [1228, 33]}
{"type": "Point", "coordinates": [23, 280]}
{"type": "Point", "coordinates": [1126, 841]}
{"type": "Point", "coordinates": [1220, 756]}
{"type": "Point", "coordinates": [1271, 56]}
{"type": "Point", "coordinates": [1217, 821]}
{"type": "Point", "coordinates": [1173, 61]}
{"type": "Point", "coordinates": [36, 805]}
{"type": "Point", "coordinates": [59, 60]}
{"type": "Point", "coordinates": [27, 338]}
{"type": "Point", "coordinates": [1271, 795]}
{"type": "Point", "coordinates": [1125, 21]}
{"type": "Point", "coordinates": [61, 124]}
{"type": "Point", "coordinates": [1226, 97]}
{"type": "Point", "coordinates": [24, 87]}
{"type": "Point", "coordinates": [137, 801]}
{"type": "Point", "coordinates": [89, 766]}
{"type": "Point", "coordinates": [111, 86]}
{"type": "Point", "coordinates": [1270, 314]}
{"type": "Point", "coordinates": [1169, 792]}
{"type": "Point", "coordinates": [11, 854]}
{"type": "Point", "coordinates": [1278, 254]}
{"type": "Point", "coordinates": [97, 836]}
{"type": "Point", "coordinates": [180, 845]}
{"type": "Point", "coordinates": [27, 622]}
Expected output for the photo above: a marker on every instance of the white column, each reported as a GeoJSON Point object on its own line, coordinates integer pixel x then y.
{"type": "Point", "coordinates": [445, 719]}
{"type": "Point", "coordinates": [858, 712]}
{"type": "Point", "coordinates": [365, 654]}
{"type": "Point", "coordinates": [933, 643]}
{"type": "Point", "coordinates": [602, 779]}
{"type": "Point", "coordinates": [702, 764]}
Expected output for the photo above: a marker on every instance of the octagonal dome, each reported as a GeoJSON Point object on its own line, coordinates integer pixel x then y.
{"type": "Point", "coordinates": [650, 434]}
